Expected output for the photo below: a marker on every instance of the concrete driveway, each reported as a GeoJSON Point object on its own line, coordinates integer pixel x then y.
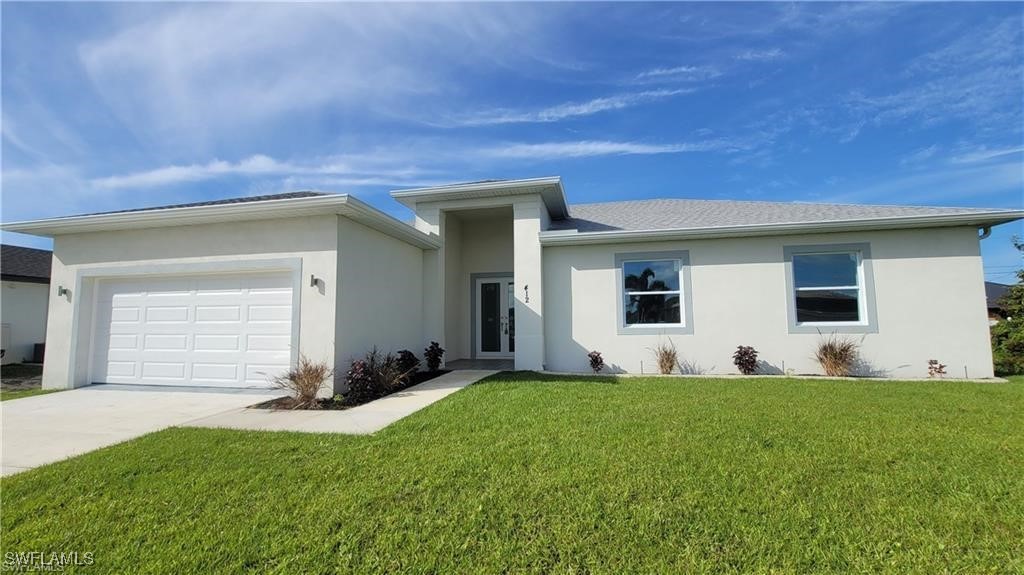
{"type": "Point", "coordinates": [47, 428]}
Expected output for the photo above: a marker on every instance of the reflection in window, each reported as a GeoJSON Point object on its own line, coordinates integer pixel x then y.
{"type": "Point", "coordinates": [652, 292]}
{"type": "Point", "coordinates": [827, 287]}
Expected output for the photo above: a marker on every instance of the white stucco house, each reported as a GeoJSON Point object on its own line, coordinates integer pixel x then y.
{"type": "Point", "coordinates": [225, 293]}
{"type": "Point", "coordinates": [24, 295]}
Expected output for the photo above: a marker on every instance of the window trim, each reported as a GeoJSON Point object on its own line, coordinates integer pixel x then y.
{"type": "Point", "coordinates": [685, 327]}
{"type": "Point", "coordinates": [868, 322]}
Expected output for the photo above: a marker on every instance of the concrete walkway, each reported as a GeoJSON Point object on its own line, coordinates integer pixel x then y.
{"type": "Point", "coordinates": [364, 419]}
{"type": "Point", "coordinates": [47, 428]}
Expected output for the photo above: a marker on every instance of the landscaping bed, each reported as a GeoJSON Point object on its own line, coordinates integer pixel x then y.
{"type": "Point", "coordinates": [342, 402]}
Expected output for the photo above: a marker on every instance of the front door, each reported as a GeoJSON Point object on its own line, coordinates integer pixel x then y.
{"type": "Point", "coordinates": [495, 317]}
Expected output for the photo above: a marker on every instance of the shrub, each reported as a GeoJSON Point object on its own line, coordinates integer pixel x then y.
{"type": "Point", "coordinates": [596, 361]}
{"type": "Point", "coordinates": [304, 381]}
{"type": "Point", "coordinates": [376, 375]}
{"type": "Point", "coordinates": [666, 356]}
{"type": "Point", "coordinates": [408, 361]}
{"type": "Point", "coordinates": [433, 355]}
{"type": "Point", "coordinates": [361, 387]}
{"type": "Point", "coordinates": [745, 359]}
{"type": "Point", "coordinates": [1008, 334]}
{"type": "Point", "coordinates": [386, 370]}
{"type": "Point", "coordinates": [936, 369]}
{"type": "Point", "coordinates": [837, 355]}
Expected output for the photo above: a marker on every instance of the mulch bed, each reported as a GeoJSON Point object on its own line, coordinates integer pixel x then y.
{"type": "Point", "coordinates": [330, 403]}
{"type": "Point", "coordinates": [19, 376]}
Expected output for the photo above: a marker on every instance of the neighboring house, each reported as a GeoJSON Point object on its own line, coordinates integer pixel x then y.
{"type": "Point", "coordinates": [25, 276]}
{"type": "Point", "coordinates": [993, 293]}
{"type": "Point", "coordinates": [226, 293]}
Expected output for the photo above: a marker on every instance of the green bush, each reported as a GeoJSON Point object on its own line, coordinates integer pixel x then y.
{"type": "Point", "coordinates": [1008, 334]}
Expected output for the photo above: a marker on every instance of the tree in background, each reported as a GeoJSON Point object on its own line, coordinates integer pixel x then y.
{"type": "Point", "coordinates": [1008, 335]}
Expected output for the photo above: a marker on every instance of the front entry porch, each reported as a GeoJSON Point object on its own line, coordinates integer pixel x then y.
{"type": "Point", "coordinates": [487, 364]}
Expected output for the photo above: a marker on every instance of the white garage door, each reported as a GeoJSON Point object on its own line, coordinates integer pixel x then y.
{"type": "Point", "coordinates": [214, 331]}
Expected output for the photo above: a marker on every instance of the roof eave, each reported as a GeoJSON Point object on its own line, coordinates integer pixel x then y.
{"type": "Point", "coordinates": [340, 204]}
{"type": "Point", "coordinates": [550, 188]}
{"type": "Point", "coordinates": [982, 219]}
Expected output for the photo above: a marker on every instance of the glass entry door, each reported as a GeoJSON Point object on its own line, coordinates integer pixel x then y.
{"type": "Point", "coordinates": [495, 326]}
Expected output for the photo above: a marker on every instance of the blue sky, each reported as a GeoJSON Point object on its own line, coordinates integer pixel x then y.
{"type": "Point", "coordinates": [109, 106]}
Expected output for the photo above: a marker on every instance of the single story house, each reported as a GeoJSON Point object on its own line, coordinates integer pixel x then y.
{"type": "Point", "coordinates": [994, 293]}
{"type": "Point", "coordinates": [227, 293]}
{"type": "Point", "coordinates": [25, 280]}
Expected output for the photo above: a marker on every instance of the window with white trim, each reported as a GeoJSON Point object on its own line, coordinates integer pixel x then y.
{"type": "Point", "coordinates": [828, 288]}
{"type": "Point", "coordinates": [652, 292]}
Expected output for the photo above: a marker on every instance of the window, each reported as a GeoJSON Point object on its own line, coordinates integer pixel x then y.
{"type": "Point", "coordinates": [651, 292]}
{"type": "Point", "coordinates": [827, 287]}
{"type": "Point", "coordinates": [830, 288]}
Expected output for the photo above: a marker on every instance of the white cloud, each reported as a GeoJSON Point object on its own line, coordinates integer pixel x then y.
{"type": "Point", "coordinates": [679, 73]}
{"type": "Point", "coordinates": [196, 75]}
{"type": "Point", "coordinates": [761, 55]}
{"type": "Point", "coordinates": [568, 110]}
{"type": "Point", "coordinates": [984, 154]}
{"type": "Point", "coordinates": [392, 166]}
{"type": "Point", "coordinates": [919, 155]}
{"type": "Point", "coordinates": [935, 187]}
{"type": "Point", "coordinates": [590, 148]}
{"type": "Point", "coordinates": [261, 165]}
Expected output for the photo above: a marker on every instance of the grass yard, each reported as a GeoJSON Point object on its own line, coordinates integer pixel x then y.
{"type": "Point", "coordinates": [19, 393]}
{"type": "Point", "coordinates": [527, 473]}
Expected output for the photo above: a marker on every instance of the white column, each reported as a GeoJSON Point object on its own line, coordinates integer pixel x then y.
{"type": "Point", "coordinates": [431, 221]}
{"type": "Point", "coordinates": [528, 214]}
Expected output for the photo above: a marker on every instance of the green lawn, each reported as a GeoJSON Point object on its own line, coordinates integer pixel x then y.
{"type": "Point", "coordinates": [524, 473]}
{"type": "Point", "coordinates": [19, 393]}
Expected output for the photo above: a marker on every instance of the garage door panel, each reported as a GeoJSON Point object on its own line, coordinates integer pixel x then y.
{"type": "Point", "coordinates": [221, 313]}
{"type": "Point", "coordinates": [217, 342]}
{"type": "Point", "coordinates": [227, 331]}
{"type": "Point", "coordinates": [164, 342]}
{"type": "Point", "coordinates": [167, 313]}
{"type": "Point", "coordinates": [270, 313]}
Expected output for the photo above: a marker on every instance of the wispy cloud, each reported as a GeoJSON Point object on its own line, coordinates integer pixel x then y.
{"type": "Point", "coordinates": [387, 167]}
{"type": "Point", "coordinates": [951, 185]}
{"type": "Point", "coordinates": [919, 155]}
{"type": "Point", "coordinates": [567, 110]}
{"type": "Point", "coordinates": [761, 55]}
{"type": "Point", "coordinates": [195, 75]}
{"type": "Point", "coordinates": [984, 154]}
{"type": "Point", "coordinates": [257, 166]}
{"type": "Point", "coordinates": [678, 73]}
{"type": "Point", "coordinates": [590, 148]}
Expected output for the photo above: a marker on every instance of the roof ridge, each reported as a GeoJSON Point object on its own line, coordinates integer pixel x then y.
{"type": "Point", "coordinates": [787, 203]}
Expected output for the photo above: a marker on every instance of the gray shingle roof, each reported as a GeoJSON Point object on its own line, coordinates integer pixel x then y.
{"type": "Point", "coordinates": [993, 293]}
{"type": "Point", "coordinates": [244, 200]}
{"type": "Point", "coordinates": [682, 214]}
{"type": "Point", "coordinates": [25, 264]}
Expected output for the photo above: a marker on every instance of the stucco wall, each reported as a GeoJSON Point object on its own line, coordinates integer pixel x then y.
{"type": "Point", "coordinates": [928, 287]}
{"type": "Point", "coordinates": [486, 247]}
{"type": "Point", "coordinates": [312, 241]}
{"type": "Point", "coordinates": [23, 309]}
{"type": "Point", "coordinates": [379, 297]}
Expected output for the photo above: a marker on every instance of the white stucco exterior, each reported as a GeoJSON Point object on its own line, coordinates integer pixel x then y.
{"type": "Point", "coordinates": [307, 246]}
{"type": "Point", "coordinates": [363, 279]}
{"type": "Point", "coordinates": [23, 312]}
{"type": "Point", "coordinates": [379, 299]}
{"type": "Point", "coordinates": [928, 293]}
